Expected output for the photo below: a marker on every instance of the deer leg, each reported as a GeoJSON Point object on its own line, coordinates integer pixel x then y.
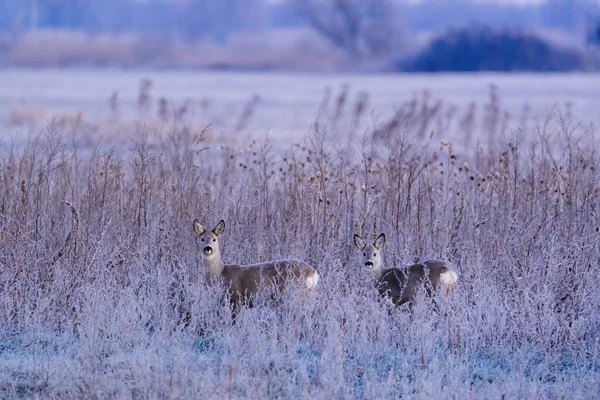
{"type": "Point", "coordinates": [234, 306]}
{"type": "Point", "coordinates": [235, 310]}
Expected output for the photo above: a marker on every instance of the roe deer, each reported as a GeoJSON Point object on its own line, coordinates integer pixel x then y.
{"type": "Point", "coordinates": [401, 284]}
{"type": "Point", "coordinates": [243, 281]}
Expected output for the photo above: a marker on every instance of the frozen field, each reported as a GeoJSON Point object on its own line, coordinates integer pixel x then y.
{"type": "Point", "coordinates": [104, 296]}
{"type": "Point", "coordinates": [286, 104]}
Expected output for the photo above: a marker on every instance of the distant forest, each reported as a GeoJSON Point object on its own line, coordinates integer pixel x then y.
{"type": "Point", "coordinates": [354, 34]}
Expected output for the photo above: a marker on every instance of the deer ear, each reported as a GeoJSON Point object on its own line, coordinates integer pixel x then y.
{"type": "Point", "coordinates": [198, 228]}
{"type": "Point", "coordinates": [359, 242]}
{"type": "Point", "coordinates": [220, 228]}
{"type": "Point", "coordinates": [380, 241]}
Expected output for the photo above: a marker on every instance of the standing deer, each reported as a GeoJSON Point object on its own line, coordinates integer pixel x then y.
{"type": "Point", "coordinates": [244, 281]}
{"type": "Point", "coordinates": [401, 284]}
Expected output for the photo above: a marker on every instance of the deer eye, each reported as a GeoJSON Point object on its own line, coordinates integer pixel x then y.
{"type": "Point", "coordinates": [364, 254]}
{"type": "Point", "coordinates": [202, 239]}
{"type": "Point", "coordinates": [374, 254]}
{"type": "Point", "coordinates": [214, 240]}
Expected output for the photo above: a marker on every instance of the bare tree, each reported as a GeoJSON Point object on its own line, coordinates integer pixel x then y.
{"type": "Point", "coordinates": [359, 27]}
{"type": "Point", "coordinates": [593, 32]}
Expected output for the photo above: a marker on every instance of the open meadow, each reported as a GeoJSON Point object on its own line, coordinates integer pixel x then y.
{"type": "Point", "coordinates": [102, 290]}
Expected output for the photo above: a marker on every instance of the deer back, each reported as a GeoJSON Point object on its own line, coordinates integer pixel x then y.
{"type": "Point", "coordinates": [402, 284]}
{"type": "Point", "coordinates": [247, 280]}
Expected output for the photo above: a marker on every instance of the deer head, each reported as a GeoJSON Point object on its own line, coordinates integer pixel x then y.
{"type": "Point", "coordinates": [372, 259]}
{"type": "Point", "coordinates": [210, 239]}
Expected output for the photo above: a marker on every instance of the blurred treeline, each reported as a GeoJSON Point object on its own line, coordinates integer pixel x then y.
{"type": "Point", "coordinates": [370, 34]}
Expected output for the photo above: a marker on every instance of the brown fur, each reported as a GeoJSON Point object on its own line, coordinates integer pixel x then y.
{"type": "Point", "coordinates": [245, 281]}
{"type": "Point", "coordinates": [402, 284]}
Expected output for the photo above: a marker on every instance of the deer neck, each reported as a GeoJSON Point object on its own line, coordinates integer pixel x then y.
{"type": "Point", "coordinates": [377, 273]}
{"type": "Point", "coordinates": [213, 266]}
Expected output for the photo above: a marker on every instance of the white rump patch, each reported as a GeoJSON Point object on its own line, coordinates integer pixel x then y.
{"type": "Point", "coordinates": [448, 278]}
{"type": "Point", "coordinates": [311, 280]}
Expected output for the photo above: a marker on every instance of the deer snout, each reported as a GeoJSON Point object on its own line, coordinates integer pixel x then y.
{"type": "Point", "coordinates": [208, 250]}
{"type": "Point", "coordinates": [369, 264]}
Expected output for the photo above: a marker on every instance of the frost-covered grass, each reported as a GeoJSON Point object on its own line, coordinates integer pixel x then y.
{"type": "Point", "coordinates": [107, 299]}
{"type": "Point", "coordinates": [287, 102]}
